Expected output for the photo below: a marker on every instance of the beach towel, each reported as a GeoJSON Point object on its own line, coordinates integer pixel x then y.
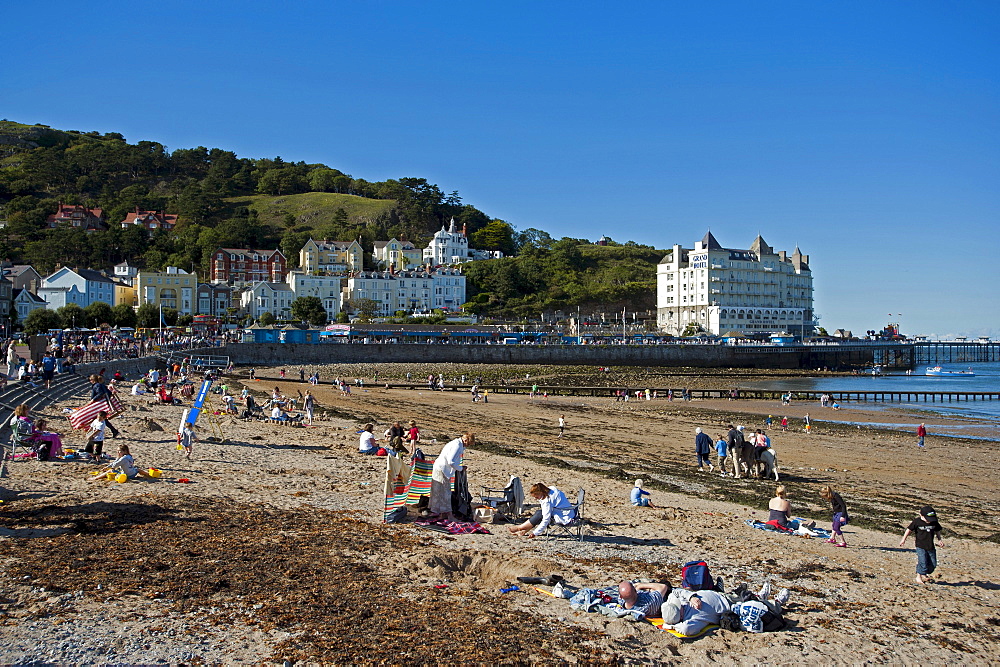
{"type": "Point", "coordinates": [397, 486]}
{"type": "Point", "coordinates": [797, 526]}
{"type": "Point", "coordinates": [82, 417]}
{"type": "Point", "coordinates": [451, 527]}
{"type": "Point", "coordinates": [420, 480]}
{"type": "Point", "coordinates": [658, 622]}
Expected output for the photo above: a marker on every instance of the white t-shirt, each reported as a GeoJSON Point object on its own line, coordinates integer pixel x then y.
{"type": "Point", "coordinates": [276, 412]}
{"type": "Point", "coordinates": [97, 426]}
{"type": "Point", "coordinates": [367, 442]}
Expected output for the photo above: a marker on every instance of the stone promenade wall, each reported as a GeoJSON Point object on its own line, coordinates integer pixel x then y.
{"type": "Point", "coordinates": [705, 356]}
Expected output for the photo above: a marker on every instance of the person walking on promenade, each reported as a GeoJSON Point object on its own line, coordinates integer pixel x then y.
{"type": "Point", "coordinates": [921, 434]}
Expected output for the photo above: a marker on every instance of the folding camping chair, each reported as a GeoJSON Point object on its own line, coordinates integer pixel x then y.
{"type": "Point", "coordinates": [509, 503]}
{"type": "Point", "coordinates": [575, 526]}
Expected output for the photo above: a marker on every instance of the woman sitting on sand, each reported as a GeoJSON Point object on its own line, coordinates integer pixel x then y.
{"type": "Point", "coordinates": [780, 509]}
{"type": "Point", "coordinates": [553, 506]}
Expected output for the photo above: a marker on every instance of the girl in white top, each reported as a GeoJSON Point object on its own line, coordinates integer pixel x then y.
{"type": "Point", "coordinates": [124, 463]}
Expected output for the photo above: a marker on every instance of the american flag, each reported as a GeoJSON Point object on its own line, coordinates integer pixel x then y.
{"type": "Point", "coordinates": [82, 417]}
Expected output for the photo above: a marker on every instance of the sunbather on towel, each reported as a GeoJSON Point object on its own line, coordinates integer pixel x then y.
{"type": "Point", "coordinates": [645, 598]}
{"type": "Point", "coordinates": [780, 510]}
{"type": "Point", "coordinates": [690, 612]}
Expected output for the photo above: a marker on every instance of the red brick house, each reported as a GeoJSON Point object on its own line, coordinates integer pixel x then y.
{"type": "Point", "coordinates": [246, 265]}
{"type": "Point", "coordinates": [78, 217]}
{"type": "Point", "coordinates": [151, 220]}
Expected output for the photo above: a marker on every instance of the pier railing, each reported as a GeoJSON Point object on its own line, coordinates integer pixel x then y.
{"type": "Point", "coordinates": [662, 393]}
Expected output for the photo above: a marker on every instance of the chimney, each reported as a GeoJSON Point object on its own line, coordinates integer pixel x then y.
{"type": "Point", "coordinates": [464, 230]}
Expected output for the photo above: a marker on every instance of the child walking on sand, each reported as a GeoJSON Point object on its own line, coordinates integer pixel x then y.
{"type": "Point", "coordinates": [839, 515]}
{"type": "Point", "coordinates": [188, 438]}
{"type": "Point", "coordinates": [924, 529]}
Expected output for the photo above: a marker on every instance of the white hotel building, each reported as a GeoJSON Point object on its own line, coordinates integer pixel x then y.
{"type": "Point", "coordinates": [725, 290]}
{"type": "Point", "coordinates": [411, 291]}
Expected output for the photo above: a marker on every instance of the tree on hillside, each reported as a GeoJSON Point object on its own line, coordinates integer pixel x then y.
{"type": "Point", "coordinates": [283, 181]}
{"type": "Point", "coordinates": [72, 315]}
{"type": "Point", "coordinates": [365, 309]}
{"type": "Point", "coordinates": [532, 238]}
{"type": "Point", "coordinates": [41, 320]}
{"type": "Point", "coordinates": [496, 235]}
{"type": "Point", "coordinates": [266, 319]}
{"type": "Point", "coordinates": [147, 316]}
{"type": "Point", "coordinates": [123, 315]}
{"type": "Point", "coordinates": [309, 309]}
{"type": "Point", "coordinates": [98, 313]}
{"type": "Point", "coordinates": [291, 243]}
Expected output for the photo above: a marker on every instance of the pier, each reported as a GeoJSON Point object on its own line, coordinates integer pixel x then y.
{"type": "Point", "coordinates": [721, 394]}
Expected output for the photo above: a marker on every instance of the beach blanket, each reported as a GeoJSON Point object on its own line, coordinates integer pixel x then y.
{"type": "Point", "coordinates": [798, 528]}
{"type": "Point", "coordinates": [658, 622]}
{"type": "Point", "coordinates": [82, 417]}
{"type": "Point", "coordinates": [452, 527]}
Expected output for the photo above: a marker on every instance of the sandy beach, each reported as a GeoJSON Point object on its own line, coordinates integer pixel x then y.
{"type": "Point", "coordinates": [275, 550]}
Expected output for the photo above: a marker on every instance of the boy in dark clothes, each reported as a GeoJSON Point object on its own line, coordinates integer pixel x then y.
{"type": "Point", "coordinates": [924, 529]}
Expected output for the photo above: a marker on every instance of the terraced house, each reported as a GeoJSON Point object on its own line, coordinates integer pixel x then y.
{"type": "Point", "coordinates": [246, 265]}
{"type": "Point", "coordinates": [78, 217]}
{"type": "Point", "coordinates": [331, 257]}
{"type": "Point", "coordinates": [173, 288]}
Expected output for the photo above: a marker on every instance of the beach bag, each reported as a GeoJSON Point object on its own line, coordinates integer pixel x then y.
{"type": "Point", "coordinates": [772, 622]}
{"type": "Point", "coordinates": [695, 576]}
{"type": "Point", "coordinates": [43, 449]}
{"type": "Point", "coordinates": [728, 620]}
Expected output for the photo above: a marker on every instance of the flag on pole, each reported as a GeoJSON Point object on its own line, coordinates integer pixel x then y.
{"type": "Point", "coordinates": [83, 417]}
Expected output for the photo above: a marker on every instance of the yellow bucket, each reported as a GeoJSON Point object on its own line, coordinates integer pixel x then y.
{"type": "Point", "coordinates": [121, 478]}
{"type": "Point", "coordinates": [154, 473]}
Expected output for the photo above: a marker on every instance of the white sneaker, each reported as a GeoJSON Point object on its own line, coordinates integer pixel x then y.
{"type": "Point", "coordinates": [765, 591]}
{"type": "Point", "coordinates": [782, 596]}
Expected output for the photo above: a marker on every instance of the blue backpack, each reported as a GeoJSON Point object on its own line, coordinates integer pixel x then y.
{"type": "Point", "coordinates": [695, 576]}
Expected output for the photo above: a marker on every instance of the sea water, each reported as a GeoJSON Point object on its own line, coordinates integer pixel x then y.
{"type": "Point", "coordinates": [987, 379]}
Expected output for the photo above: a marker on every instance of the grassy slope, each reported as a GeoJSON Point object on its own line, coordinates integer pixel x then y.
{"type": "Point", "coordinates": [312, 209]}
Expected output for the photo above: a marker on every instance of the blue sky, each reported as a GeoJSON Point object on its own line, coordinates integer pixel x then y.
{"type": "Point", "coordinates": [866, 133]}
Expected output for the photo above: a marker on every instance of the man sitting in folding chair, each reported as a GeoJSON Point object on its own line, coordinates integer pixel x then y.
{"type": "Point", "coordinates": [554, 509]}
{"type": "Point", "coordinates": [508, 505]}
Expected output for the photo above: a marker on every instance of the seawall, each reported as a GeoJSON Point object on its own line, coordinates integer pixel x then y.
{"type": "Point", "coordinates": [703, 356]}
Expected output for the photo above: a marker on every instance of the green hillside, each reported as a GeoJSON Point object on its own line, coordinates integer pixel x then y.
{"type": "Point", "coordinates": [315, 210]}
